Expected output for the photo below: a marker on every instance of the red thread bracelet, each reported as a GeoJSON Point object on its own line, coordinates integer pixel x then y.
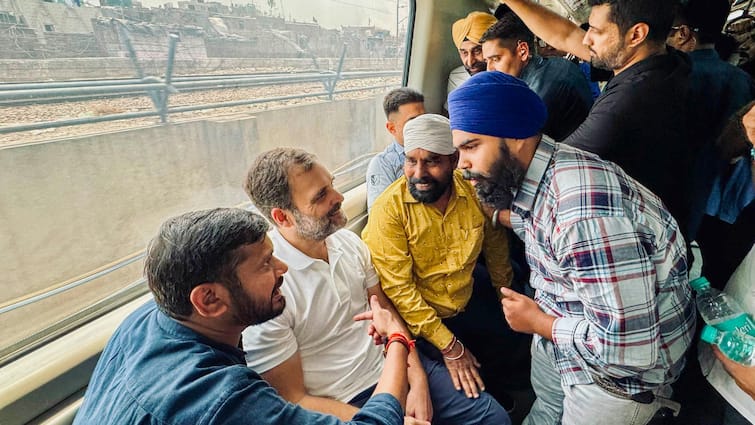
{"type": "Point", "coordinates": [400, 338]}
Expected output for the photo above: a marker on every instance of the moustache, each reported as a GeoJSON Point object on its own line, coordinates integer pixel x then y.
{"type": "Point", "coordinates": [477, 67]}
{"type": "Point", "coordinates": [469, 175]}
{"type": "Point", "coordinates": [335, 210]}
{"type": "Point", "coordinates": [423, 180]}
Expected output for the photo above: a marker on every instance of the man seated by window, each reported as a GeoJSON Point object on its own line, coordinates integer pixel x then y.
{"type": "Point", "coordinates": [400, 105]}
{"type": "Point", "coordinates": [176, 359]}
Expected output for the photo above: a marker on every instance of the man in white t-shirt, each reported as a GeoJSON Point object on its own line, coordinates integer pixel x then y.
{"type": "Point", "coordinates": [314, 354]}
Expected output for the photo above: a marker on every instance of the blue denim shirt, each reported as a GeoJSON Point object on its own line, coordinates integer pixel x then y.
{"type": "Point", "coordinates": [154, 370]}
{"type": "Point", "coordinates": [564, 90]}
{"type": "Point", "coordinates": [717, 90]}
{"type": "Point", "coordinates": [385, 168]}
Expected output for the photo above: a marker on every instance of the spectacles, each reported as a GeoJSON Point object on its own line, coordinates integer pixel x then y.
{"type": "Point", "coordinates": [678, 27]}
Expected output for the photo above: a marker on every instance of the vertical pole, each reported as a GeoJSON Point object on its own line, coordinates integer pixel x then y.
{"type": "Point", "coordinates": [163, 105]}
{"type": "Point", "coordinates": [338, 73]}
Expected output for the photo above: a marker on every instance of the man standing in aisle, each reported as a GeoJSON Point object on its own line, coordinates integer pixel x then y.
{"type": "Point", "coordinates": [613, 313]}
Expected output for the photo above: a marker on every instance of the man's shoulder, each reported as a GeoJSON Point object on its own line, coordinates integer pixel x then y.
{"type": "Point", "coordinates": [392, 197]}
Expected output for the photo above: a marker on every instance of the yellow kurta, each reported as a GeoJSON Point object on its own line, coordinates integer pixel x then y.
{"type": "Point", "coordinates": [425, 259]}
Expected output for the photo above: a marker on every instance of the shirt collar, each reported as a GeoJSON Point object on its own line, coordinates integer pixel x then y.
{"type": "Point", "coordinates": [396, 147]}
{"type": "Point", "coordinates": [296, 259]}
{"type": "Point", "coordinates": [534, 63]}
{"type": "Point", "coordinates": [525, 196]}
{"type": "Point", "coordinates": [669, 60]}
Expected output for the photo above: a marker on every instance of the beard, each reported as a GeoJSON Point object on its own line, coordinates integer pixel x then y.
{"type": "Point", "coordinates": [317, 229]}
{"type": "Point", "coordinates": [439, 187]}
{"type": "Point", "coordinates": [247, 311]}
{"type": "Point", "coordinates": [610, 60]}
{"type": "Point", "coordinates": [498, 188]}
{"type": "Point", "coordinates": [477, 67]}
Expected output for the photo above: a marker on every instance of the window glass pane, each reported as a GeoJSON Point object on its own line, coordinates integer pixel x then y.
{"type": "Point", "coordinates": [116, 114]}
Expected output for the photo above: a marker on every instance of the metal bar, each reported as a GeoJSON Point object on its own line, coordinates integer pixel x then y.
{"type": "Point", "coordinates": [12, 95]}
{"type": "Point", "coordinates": [172, 41]}
{"type": "Point", "coordinates": [185, 78]}
{"type": "Point", "coordinates": [69, 286]}
{"type": "Point", "coordinates": [144, 114]}
{"type": "Point", "coordinates": [338, 73]}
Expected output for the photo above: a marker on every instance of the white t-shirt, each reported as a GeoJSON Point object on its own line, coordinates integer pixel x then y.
{"type": "Point", "coordinates": [740, 287]}
{"type": "Point", "coordinates": [339, 359]}
{"type": "Point", "coordinates": [456, 77]}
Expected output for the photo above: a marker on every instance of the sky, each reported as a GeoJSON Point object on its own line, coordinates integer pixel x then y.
{"type": "Point", "coordinates": [329, 13]}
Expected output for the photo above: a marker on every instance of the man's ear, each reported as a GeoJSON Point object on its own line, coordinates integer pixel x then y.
{"type": "Point", "coordinates": [210, 300]}
{"type": "Point", "coordinates": [637, 34]}
{"type": "Point", "coordinates": [391, 127]}
{"type": "Point", "coordinates": [281, 217]}
{"type": "Point", "coordinates": [523, 51]}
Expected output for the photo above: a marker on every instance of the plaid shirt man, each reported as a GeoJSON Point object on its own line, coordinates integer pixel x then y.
{"type": "Point", "coordinates": [608, 260]}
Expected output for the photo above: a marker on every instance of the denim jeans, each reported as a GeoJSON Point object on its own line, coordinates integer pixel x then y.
{"type": "Point", "coordinates": [578, 404]}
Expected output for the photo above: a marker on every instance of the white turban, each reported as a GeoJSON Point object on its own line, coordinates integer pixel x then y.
{"type": "Point", "coordinates": [430, 132]}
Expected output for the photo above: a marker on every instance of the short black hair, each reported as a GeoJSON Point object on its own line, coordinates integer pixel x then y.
{"type": "Point", "coordinates": [705, 17]}
{"type": "Point", "coordinates": [509, 27]}
{"type": "Point", "coordinates": [195, 248]}
{"type": "Point", "coordinates": [657, 14]}
{"type": "Point", "coordinates": [400, 96]}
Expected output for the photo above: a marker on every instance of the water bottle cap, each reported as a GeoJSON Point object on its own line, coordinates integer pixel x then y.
{"type": "Point", "coordinates": [699, 283]}
{"type": "Point", "coordinates": [709, 334]}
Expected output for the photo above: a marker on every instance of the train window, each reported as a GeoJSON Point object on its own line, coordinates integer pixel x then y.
{"type": "Point", "coordinates": [117, 114]}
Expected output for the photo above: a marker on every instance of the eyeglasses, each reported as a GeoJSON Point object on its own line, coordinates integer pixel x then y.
{"type": "Point", "coordinates": [678, 27]}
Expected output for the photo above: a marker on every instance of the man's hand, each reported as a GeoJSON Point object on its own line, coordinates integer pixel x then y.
{"type": "Point", "coordinates": [418, 403]}
{"type": "Point", "coordinates": [408, 420]}
{"type": "Point", "coordinates": [524, 315]}
{"type": "Point", "coordinates": [464, 371]}
{"type": "Point", "coordinates": [744, 376]}
{"type": "Point", "coordinates": [504, 216]}
{"type": "Point", "coordinates": [383, 322]}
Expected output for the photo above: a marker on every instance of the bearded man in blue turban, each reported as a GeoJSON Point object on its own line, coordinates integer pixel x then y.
{"type": "Point", "coordinates": [612, 315]}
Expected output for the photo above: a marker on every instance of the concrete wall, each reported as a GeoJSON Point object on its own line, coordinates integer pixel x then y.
{"type": "Point", "coordinates": [70, 206]}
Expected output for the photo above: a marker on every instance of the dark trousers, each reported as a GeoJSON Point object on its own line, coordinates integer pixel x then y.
{"type": "Point", "coordinates": [503, 353]}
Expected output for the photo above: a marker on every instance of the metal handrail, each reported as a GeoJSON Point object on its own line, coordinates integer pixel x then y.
{"type": "Point", "coordinates": [179, 109]}
{"type": "Point", "coordinates": [111, 88]}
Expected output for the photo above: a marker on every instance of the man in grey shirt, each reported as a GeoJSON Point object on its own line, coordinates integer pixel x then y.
{"type": "Point", "coordinates": [400, 105]}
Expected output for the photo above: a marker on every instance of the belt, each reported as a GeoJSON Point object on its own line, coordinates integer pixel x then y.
{"type": "Point", "coordinates": [609, 386]}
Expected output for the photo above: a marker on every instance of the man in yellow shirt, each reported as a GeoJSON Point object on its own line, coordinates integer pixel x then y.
{"type": "Point", "coordinates": [425, 233]}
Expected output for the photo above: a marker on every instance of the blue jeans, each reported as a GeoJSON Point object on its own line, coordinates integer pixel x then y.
{"type": "Point", "coordinates": [452, 407]}
{"type": "Point", "coordinates": [577, 404]}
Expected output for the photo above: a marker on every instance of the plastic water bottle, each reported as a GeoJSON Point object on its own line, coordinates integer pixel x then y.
{"type": "Point", "coordinates": [720, 310]}
{"type": "Point", "coordinates": [740, 348]}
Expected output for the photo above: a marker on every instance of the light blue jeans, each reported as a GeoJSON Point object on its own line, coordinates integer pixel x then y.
{"type": "Point", "coordinates": [578, 404]}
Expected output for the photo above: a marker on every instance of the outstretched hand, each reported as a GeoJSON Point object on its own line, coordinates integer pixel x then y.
{"type": "Point", "coordinates": [383, 322]}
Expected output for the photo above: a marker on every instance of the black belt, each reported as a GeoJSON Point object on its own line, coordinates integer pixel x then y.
{"type": "Point", "coordinates": [607, 385]}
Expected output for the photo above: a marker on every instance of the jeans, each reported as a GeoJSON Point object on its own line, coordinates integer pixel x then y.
{"type": "Point", "coordinates": [578, 404]}
{"type": "Point", "coordinates": [450, 406]}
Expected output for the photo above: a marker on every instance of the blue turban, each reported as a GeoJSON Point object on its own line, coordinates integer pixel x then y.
{"type": "Point", "coordinates": [496, 104]}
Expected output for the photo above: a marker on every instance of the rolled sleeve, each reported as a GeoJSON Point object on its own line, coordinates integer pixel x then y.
{"type": "Point", "coordinates": [612, 273]}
